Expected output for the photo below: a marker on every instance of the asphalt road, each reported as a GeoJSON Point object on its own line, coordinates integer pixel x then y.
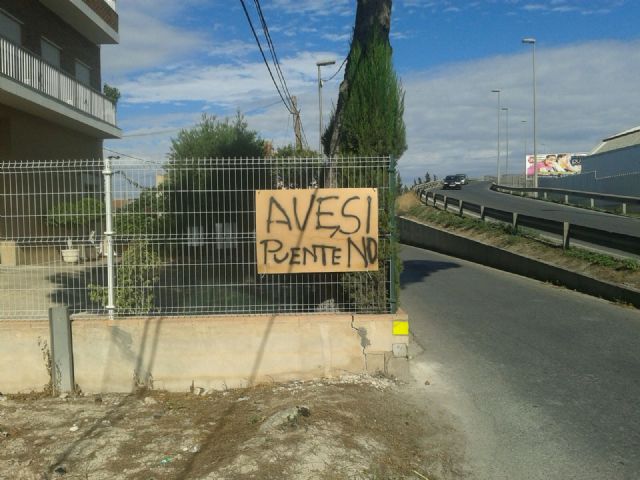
{"type": "Point", "coordinates": [543, 382]}
{"type": "Point", "coordinates": [479, 192]}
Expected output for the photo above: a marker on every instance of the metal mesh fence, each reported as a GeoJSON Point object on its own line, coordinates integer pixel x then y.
{"type": "Point", "coordinates": [183, 238]}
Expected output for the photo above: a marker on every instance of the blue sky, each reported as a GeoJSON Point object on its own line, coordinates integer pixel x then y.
{"type": "Point", "coordinates": [177, 60]}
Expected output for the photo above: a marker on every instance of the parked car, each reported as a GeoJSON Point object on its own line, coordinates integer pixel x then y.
{"type": "Point", "coordinates": [451, 181]}
{"type": "Point", "coordinates": [463, 178]}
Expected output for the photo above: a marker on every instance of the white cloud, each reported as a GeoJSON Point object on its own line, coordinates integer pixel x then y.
{"type": "Point", "coordinates": [223, 84]}
{"type": "Point", "coordinates": [584, 94]}
{"type": "Point", "coordinates": [315, 7]}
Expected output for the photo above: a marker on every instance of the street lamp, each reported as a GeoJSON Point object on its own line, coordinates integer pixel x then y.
{"type": "Point", "coordinates": [498, 169]}
{"type": "Point", "coordinates": [532, 42]}
{"type": "Point", "coordinates": [526, 165]}
{"type": "Point", "coordinates": [321, 64]}
{"type": "Point", "coordinates": [506, 169]}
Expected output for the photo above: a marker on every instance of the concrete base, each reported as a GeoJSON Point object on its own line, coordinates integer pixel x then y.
{"type": "Point", "coordinates": [174, 353]}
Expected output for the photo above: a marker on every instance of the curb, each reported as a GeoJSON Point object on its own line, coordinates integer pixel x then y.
{"type": "Point", "coordinates": [425, 236]}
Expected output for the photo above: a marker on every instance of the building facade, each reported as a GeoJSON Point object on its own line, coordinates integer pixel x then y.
{"type": "Point", "coordinates": [612, 167]}
{"type": "Point", "coordinates": [51, 101]}
{"type": "Point", "coordinates": [52, 109]}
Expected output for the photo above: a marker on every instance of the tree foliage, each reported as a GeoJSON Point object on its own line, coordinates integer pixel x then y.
{"type": "Point", "coordinates": [372, 118]}
{"type": "Point", "coordinates": [290, 151]}
{"type": "Point", "coordinates": [112, 93]}
{"type": "Point", "coordinates": [213, 138]}
{"type": "Point", "coordinates": [136, 276]}
{"type": "Point", "coordinates": [76, 214]}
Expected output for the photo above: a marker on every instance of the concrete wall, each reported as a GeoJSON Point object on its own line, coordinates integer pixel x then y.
{"type": "Point", "coordinates": [23, 362]}
{"type": "Point", "coordinates": [425, 236]}
{"type": "Point", "coordinates": [211, 352]}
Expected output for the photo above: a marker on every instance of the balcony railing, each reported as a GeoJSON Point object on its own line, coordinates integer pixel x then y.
{"type": "Point", "coordinates": [31, 71]}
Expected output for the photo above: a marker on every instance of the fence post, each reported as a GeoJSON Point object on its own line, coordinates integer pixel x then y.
{"type": "Point", "coordinates": [446, 203]}
{"type": "Point", "coordinates": [545, 195]}
{"type": "Point", "coordinates": [514, 221]}
{"type": "Point", "coordinates": [592, 202]}
{"type": "Point", "coordinates": [393, 303]}
{"type": "Point", "coordinates": [482, 212]}
{"type": "Point", "coordinates": [624, 208]}
{"type": "Point", "coordinates": [461, 208]}
{"type": "Point", "coordinates": [566, 230]}
{"type": "Point", "coordinates": [62, 377]}
{"type": "Point", "coordinates": [108, 175]}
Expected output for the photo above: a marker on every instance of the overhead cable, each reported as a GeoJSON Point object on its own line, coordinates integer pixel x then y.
{"type": "Point", "coordinates": [287, 104]}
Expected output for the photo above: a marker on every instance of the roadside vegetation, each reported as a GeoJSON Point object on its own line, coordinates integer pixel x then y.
{"type": "Point", "coordinates": [624, 271]}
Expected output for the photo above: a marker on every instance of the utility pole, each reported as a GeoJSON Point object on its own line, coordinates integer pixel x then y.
{"type": "Point", "coordinates": [297, 124]}
{"type": "Point", "coordinates": [321, 64]}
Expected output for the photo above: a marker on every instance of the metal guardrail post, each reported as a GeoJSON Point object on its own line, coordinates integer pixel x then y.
{"type": "Point", "coordinates": [566, 199]}
{"type": "Point", "coordinates": [461, 208]}
{"type": "Point", "coordinates": [62, 374]}
{"type": "Point", "coordinates": [514, 221]}
{"type": "Point", "coordinates": [482, 212]}
{"type": "Point", "coordinates": [624, 208]}
{"type": "Point", "coordinates": [592, 202]}
{"type": "Point", "coordinates": [566, 231]}
{"type": "Point", "coordinates": [545, 195]}
{"type": "Point", "coordinates": [446, 202]}
{"type": "Point", "coordinates": [108, 175]}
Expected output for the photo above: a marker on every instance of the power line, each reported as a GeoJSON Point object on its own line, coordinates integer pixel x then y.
{"type": "Point", "coordinates": [337, 71]}
{"type": "Point", "coordinates": [272, 49]}
{"type": "Point", "coordinates": [131, 156]}
{"type": "Point", "coordinates": [264, 58]}
{"type": "Point", "coordinates": [156, 132]}
{"type": "Point", "coordinates": [263, 107]}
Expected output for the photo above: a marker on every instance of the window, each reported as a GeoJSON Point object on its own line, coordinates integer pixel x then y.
{"type": "Point", "coordinates": [50, 52]}
{"type": "Point", "coordinates": [10, 28]}
{"type": "Point", "coordinates": [83, 73]}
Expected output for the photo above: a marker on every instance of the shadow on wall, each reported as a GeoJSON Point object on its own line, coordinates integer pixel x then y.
{"type": "Point", "coordinates": [417, 270]}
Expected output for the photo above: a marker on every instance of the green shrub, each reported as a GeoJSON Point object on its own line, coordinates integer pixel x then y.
{"type": "Point", "coordinates": [136, 277]}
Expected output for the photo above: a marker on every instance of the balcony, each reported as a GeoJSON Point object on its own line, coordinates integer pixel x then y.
{"type": "Point", "coordinates": [97, 20]}
{"type": "Point", "coordinates": [32, 85]}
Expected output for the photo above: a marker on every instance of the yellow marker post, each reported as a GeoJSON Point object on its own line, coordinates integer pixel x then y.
{"type": "Point", "coordinates": [400, 327]}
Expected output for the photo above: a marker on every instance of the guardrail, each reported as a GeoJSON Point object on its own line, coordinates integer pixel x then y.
{"type": "Point", "coordinates": [568, 231]}
{"type": "Point", "coordinates": [623, 200]}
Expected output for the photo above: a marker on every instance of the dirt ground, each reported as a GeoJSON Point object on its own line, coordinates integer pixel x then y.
{"type": "Point", "coordinates": [355, 427]}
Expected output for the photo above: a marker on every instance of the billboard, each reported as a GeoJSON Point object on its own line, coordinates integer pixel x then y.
{"type": "Point", "coordinates": [555, 164]}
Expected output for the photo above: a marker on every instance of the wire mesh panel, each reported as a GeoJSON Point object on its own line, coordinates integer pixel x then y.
{"type": "Point", "coordinates": [184, 238]}
{"type": "Point", "coordinates": [51, 219]}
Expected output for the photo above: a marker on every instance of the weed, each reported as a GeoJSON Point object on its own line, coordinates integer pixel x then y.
{"type": "Point", "coordinates": [603, 260]}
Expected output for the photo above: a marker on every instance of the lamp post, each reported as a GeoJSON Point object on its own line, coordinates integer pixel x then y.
{"type": "Point", "coordinates": [532, 42]}
{"type": "Point", "coordinates": [506, 168]}
{"type": "Point", "coordinates": [526, 165]}
{"type": "Point", "coordinates": [321, 64]}
{"type": "Point", "coordinates": [499, 107]}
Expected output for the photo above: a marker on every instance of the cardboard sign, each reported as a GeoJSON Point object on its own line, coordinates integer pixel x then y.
{"type": "Point", "coordinates": [321, 230]}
